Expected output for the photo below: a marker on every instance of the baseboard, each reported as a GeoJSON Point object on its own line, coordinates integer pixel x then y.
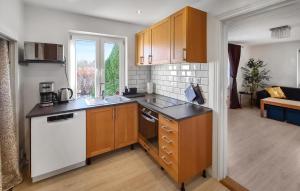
{"type": "Point", "coordinates": [233, 185]}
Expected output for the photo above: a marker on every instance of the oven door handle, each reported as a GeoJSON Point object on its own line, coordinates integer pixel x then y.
{"type": "Point", "coordinates": [152, 120]}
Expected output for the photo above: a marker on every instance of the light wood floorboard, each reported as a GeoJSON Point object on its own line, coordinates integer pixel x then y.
{"type": "Point", "coordinates": [123, 170]}
{"type": "Point", "coordinates": [264, 154]}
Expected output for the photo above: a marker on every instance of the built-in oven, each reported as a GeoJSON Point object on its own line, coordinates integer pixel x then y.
{"type": "Point", "coordinates": [148, 127]}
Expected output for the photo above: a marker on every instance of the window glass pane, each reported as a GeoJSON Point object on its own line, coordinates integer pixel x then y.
{"type": "Point", "coordinates": [111, 59]}
{"type": "Point", "coordinates": [85, 51]}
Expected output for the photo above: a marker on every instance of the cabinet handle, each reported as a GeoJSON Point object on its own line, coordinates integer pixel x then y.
{"type": "Point", "coordinates": [167, 140]}
{"type": "Point", "coordinates": [114, 113]}
{"type": "Point", "coordinates": [165, 128]}
{"type": "Point", "coordinates": [166, 161]}
{"type": "Point", "coordinates": [184, 54]}
{"type": "Point", "coordinates": [142, 60]}
{"type": "Point", "coordinates": [164, 148]}
{"type": "Point", "coordinates": [150, 59]}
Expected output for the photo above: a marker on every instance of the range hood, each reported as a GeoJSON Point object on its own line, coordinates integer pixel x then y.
{"type": "Point", "coordinates": [35, 52]}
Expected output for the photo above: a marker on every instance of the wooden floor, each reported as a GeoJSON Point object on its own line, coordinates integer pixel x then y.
{"type": "Point", "coordinates": [264, 154]}
{"type": "Point", "coordinates": [124, 170]}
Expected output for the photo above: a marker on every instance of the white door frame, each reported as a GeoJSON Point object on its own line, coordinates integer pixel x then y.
{"type": "Point", "coordinates": [220, 87]}
{"type": "Point", "coordinates": [298, 68]}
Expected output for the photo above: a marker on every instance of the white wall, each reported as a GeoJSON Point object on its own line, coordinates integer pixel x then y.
{"type": "Point", "coordinates": [11, 18]}
{"type": "Point", "coordinates": [281, 60]}
{"type": "Point", "coordinates": [46, 25]}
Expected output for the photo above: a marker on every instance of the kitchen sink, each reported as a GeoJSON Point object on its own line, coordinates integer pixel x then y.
{"type": "Point", "coordinates": [95, 101]}
{"type": "Point", "coordinates": [116, 99]}
{"type": "Point", "coordinates": [107, 100]}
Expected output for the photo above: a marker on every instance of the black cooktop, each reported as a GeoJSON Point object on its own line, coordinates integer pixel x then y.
{"type": "Point", "coordinates": [164, 102]}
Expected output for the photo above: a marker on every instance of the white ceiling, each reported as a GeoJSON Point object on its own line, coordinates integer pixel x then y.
{"type": "Point", "coordinates": [152, 10]}
{"type": "Point", "coordinates": [256, 29]}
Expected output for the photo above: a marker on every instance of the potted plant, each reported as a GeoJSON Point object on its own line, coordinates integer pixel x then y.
{"type": "Point", "coordinates": [255, 74]}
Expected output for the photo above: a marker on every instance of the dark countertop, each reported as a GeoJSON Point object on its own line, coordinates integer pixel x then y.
{"type": "Point", "coordinates": [179, 112]}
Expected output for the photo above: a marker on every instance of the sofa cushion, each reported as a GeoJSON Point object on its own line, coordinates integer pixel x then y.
{"type": "Point", "coordinates": [291, 93]}
{"type": "Point", "coordinates": [275, 92]}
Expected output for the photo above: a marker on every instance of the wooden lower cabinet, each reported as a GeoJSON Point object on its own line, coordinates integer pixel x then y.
{"type": "Point", "coordinates": [185, 146]}
{"type": "Point", "coordinates": [100, 131]}
{"type": "Point", "coordinates": [126, 125]}
{"type": "Point", "coordinates": [110, 128]}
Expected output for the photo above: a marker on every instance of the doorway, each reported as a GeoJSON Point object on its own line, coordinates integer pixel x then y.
{"type": "Point", "coordinates": [298, 68]}
{"type": "Point", "coordinates": [261, 150]}
{"type": "Point", "coordinates": [97, 65]}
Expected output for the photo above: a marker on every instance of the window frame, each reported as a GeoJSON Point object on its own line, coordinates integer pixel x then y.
{"type": "Point", "coordinates": [100, 62]}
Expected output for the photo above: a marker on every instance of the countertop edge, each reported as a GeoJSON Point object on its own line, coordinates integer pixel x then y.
{"type": "Point", "coordinates": [206, 110]}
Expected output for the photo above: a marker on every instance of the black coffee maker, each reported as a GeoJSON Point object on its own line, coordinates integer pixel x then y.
{"type": "Point", "coordinates": [47, 94]}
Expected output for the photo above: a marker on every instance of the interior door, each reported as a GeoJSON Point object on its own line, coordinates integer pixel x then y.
{"type": "Point", "coordinates": [112, 61]}
{"type": "Point", "coordinates": [161, 42]}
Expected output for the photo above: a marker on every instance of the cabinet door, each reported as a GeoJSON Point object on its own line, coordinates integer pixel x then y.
{"type": "Point", "coordinates": [139, 55]}
{"type": "Point", "coordinates": [99, 131]}
{"type": "Point", "coordinates": [178, 33]}
{"type": "Point", "coordinates": [161, 42]}
{"type": "Point", "coordinates": [147, 47]}
{"type": "Point", "coordinates": [126, 125]}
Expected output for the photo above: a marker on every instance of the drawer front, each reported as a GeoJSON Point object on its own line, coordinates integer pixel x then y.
{"type": "Point", "coordinates": [168, 145]}
{"type": "Point", "coordinates": [169, 123]}
{"type": "Point", "coordinates": [169, 150]}
{"type": "Point", "coordinates": [169, 166]}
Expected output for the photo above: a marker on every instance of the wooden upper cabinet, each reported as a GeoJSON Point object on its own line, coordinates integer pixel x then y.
{"type": "Point", "coordinates": [179, 38]}
{"type": "Point", "coordinates": [99, 131]}
{"type": "Point", "coordinates": [139, 44]}
{"type": "Point", "coordinates": [126, 125]}
{"type": "Point", "coordinates": [189, 34]}
{"type": "Point", "coordinates": [161, 42]}
{"type": "Point", "coordinates": [143, 47]}
{"type": "Point", "coordinates": [178, 34]}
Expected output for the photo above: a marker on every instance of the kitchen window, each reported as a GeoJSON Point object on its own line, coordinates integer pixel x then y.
{"type": "Point", "coordinates": [97, 65]}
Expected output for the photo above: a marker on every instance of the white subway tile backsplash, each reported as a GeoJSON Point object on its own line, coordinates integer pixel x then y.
{"type": "Point", "coordinates": [172, 80]}
{"type": "Point", "coordinates": [202, 74]}
{"type": "Point", "coordinates": [185, 67]}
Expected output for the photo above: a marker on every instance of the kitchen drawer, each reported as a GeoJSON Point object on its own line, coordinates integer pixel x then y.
{"type": "Point", "coordinates": [170, 151]}
{"type": "Point", "coordinates": [170, 166]}
{"type": "Point", "coordinates": [169, 123]}
{"type": "Point", "coordinates": [171, 134]}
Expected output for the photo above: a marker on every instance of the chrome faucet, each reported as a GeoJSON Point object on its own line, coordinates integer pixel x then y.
{"type": "Point", "coordinates": [101, 91]}
{"type": "Point", "coordinates": [102, 94]}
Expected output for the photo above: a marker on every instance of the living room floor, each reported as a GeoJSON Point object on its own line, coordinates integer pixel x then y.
{"type": "Point", "coordinates": [264, 154]}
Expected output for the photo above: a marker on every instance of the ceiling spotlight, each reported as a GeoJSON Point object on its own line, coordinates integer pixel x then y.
{"type": "Point", "coordinates": [281, 32]}
{"type": "Point", "coordinates": [139, 11]}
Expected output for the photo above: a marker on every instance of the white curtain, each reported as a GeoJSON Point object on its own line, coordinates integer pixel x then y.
{"type": "Point", "coordinates": [9, 157]}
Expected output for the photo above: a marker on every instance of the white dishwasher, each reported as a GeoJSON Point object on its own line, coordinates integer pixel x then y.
{"type": "Point", "coordinates": [58, 144]}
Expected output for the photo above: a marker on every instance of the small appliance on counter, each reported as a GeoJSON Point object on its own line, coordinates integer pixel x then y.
{"type": "Point", "coordinates": [150, 87]}
{"type": "Point", "coordinates": [132, 93]}
{"type": "Point", "coordinates": [47, 94]}
{"type": "Point", "coordinates": [64, 95]}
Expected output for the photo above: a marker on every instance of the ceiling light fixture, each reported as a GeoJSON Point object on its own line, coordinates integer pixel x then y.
{"type": "Point", "coordinates": [281, 32]}
{"type": "Point", "coordinates": [139, 12]}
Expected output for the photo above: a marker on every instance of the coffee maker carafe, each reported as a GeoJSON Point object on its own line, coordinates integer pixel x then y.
{"type": "Point", "coordinates": [47, 94]}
